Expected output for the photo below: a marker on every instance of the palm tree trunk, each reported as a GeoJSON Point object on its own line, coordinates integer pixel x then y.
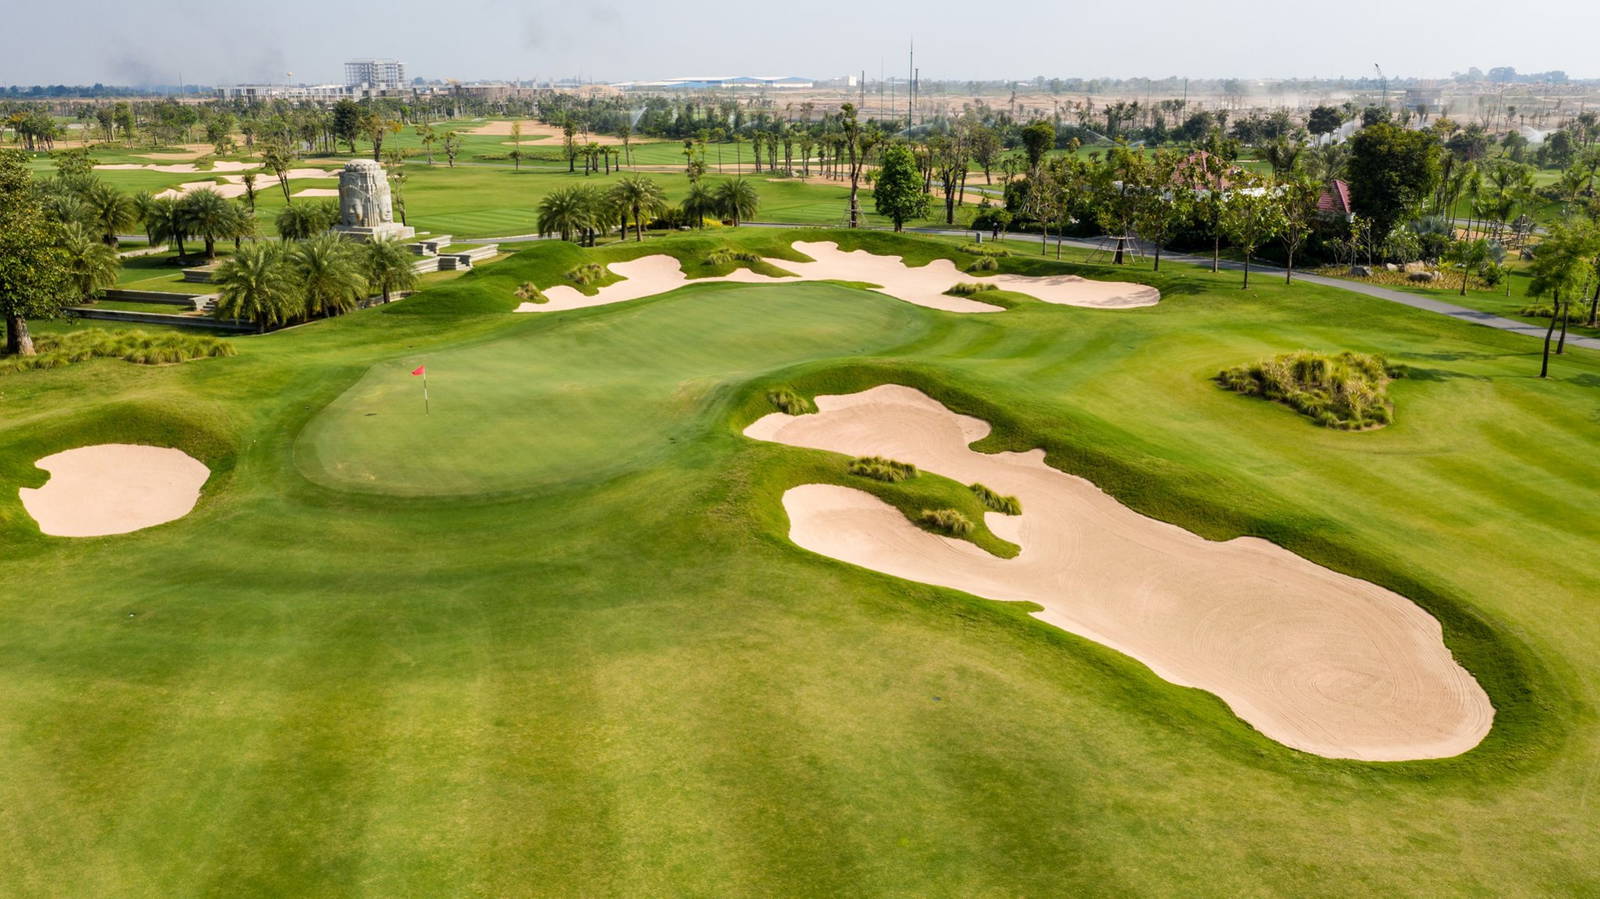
{"type": "Point", "coordinates": [18, 341]}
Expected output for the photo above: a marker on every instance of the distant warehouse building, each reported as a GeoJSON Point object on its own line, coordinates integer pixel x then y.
{"type": "Point", "coordinates": [723, 82]}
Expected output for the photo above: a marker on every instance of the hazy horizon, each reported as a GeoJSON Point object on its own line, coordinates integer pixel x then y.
{"type": "Point", "coordinates": [302, 41]}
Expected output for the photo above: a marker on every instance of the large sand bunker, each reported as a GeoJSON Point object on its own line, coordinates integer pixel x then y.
{"type": "Point", "coordinates": [113, 488]}
{"type": "Point", "coordinates": [534, 130]}
{"type": "Point", "coordinates": [232, 186]}
{"type": "Point", "coordinates": [1314, 659]}
{"type": "Point", "coordinates": [924, 285]}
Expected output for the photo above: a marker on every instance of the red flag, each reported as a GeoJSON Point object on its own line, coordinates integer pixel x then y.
{"type": "Point", "coordinates": [421, 369]}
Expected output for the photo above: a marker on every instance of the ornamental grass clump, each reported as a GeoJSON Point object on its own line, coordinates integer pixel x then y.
{"type": "Point", "coordinates": [790, 403]}
{"type": "Point", "coordinates": [947, 521]}
{"type": "Point", "coordinates": [727, 256]}
{"type": "Point", "coordinates": [1006, 505]}
{"type": "Point", "coordinates": [985, 264]}
{"type": "Point", "coordinates": [587, 273]}
{"type": "Point", "coordinates": [881, 469]}
{"type": "Point", "coordinates": [531, 294]}
{"type": "Point", "coordinates": [983, 249]}
{"type": "Point", "coordinates": [139, 347]}
{"type": "Point", "coordinates": [966, 289]}
{"type": "Point", "coordinates": [1348, 391]}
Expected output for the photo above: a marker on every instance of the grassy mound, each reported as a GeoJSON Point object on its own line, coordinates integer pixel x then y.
{"type": "Point", "coordinates": [57, 350]}
{"type": "Point", "coordinates": [1349, 391]}
{"type": "Point", "coordinates": [881, 469]}
{"type": "Point", "coordinates": [790, 403]}
{"type": "Point", "coordinates": [1006, 505]}
{"type": "Point", "coordinates": [947, 521]}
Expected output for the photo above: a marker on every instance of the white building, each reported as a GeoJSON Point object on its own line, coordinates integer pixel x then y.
{"type": "Point", "coordinates": [376, 73]}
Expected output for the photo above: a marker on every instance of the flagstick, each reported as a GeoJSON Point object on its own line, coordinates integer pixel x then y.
{"type": "Point", "coordinates": [426, 410]}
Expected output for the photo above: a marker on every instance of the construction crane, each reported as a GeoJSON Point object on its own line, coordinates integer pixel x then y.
{"type": "Point", "coordinates": [1383, 87]}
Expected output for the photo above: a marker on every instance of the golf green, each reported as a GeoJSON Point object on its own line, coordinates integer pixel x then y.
{"type": "Point", "coordinates": [551, 636]}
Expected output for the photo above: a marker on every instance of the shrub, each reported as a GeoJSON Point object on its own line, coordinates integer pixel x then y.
{"type": "Point", "coordinates": [881, 469]}
{"type": "Point", "coordinates": [983, 249]}
{"type": "Point", "coordinates": [138, 347]}
{"type": "Point", "coordinates": [531, 293]}
{"type": "Point", "coordinates": [587, 273]}
{"type": "Point", "coordinates": [1349, 391]}
{"type": "Point", "coordinates": [949, 521]}
{"type": "Point", "coordinates": [966, 289]}
{"type": "Point", "coordinates": [986, 264]}
{"type": "Point", "coordinates": [726, 255]}
{"type": "Point", "coordinates": [1549, 311]}
{"type": "Point", "coordinates": [789, 402]}
{"type": "Point", "coordinates": [1006, 505]}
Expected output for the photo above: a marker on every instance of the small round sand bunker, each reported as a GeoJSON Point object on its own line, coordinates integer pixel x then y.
{"type": "Point", "coordinates": [113, 488]}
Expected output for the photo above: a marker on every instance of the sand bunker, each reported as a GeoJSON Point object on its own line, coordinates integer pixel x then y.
{"type": "Point", "coordinates": [318, 192]}
{"type": "Point", "coordinates": [1314, 659]}
{"type": "Point", "coordinates": [533, 130]}
{"type": "Point", "coordinates": [113, 488]}
{"type": "Point", "coordinates": [233, 185]}
{"type": "Point", "coordinates": [923, 285]}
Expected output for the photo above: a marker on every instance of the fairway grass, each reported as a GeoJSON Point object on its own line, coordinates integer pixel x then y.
{"type": "Point", "coordinates": [552, 636]}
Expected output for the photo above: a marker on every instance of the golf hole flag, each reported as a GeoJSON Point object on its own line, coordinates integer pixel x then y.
{"type": "Point", "coordinates": [423, 371]}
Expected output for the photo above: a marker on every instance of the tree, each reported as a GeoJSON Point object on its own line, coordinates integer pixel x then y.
{"type": "Point", "coordinates": [1324, 120]}
{"type": "Point", "coordinates": [327, 274]}
{"type": "Point", "coordinates": [986, 148]}
{"type": "Point", "coordinates": [1037, 139]}
{"type": "Point", "coordinates": [897, 193]}
{"type": "Point", "coordinates": [34, 278]}
{"type": "Point", "coordinates": [110, 210]}
{"type": "Point", "coordinates": [347, 122]}
{"type": "Point", "coordinates": [255, 285]}
{"type": "Point", "coordinates": [1562, 262]}
{"type": "Point", "coordinates": [164, 221]}
{"type": "Point", "coordinates": [209, 216]}
{"type": "Point", "coordinates": [698, 203]}
{"type": "Point", "coordinates": [452, 147]}
{"type": "Point", "coordinates": [305, 220]}
{"type": "Point", "coordinates": [737, 199]}
{"type": "Point", "coordinates": [638, 196]}
{"type": "Point", "coordinates": [859, 142]}
{"type": "Point", "coordinates": [428, 137]}
{"type": "Point", "coordinates": [277, 158]}
{"type": "Point", "coordinates": [1391, 171]}
{"type": "Point", "coordinates": [388, 267]}
{"type": "Point", "coordinates": [1470, 255]}
{"type": "Point", "coordinates": [1299, 200]}
{"type": "Point", "coordinates": [1160, 205]}
{"type": "Point", "coordinates": [562, 212]}
{"type": "Point", "coordinates": [91, 265]}
{"type": "Point", "coordinates": [1252, 214]}
{"type": "Point", "coordinates": [516, 146]}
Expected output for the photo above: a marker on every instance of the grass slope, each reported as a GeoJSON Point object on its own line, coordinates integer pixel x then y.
{"type": "Point", "coordinates": [572, 651]}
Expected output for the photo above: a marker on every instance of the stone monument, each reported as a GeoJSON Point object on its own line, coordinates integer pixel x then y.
{"type": "Point", "coordinates": [365, 210]}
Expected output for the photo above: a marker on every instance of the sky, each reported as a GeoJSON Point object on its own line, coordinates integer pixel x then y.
{"type": "Point", "coordinates": [224, 41]}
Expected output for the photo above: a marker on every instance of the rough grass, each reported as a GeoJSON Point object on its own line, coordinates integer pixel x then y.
{"type": "Point", "coordinates": [1006, 505]}
{"type": "Point", "coordinates": [57, 350]}
{"type": "Point", "coordinates": [790, 403]}
{"type": "Point", "coordinates": [728, 256]}
{"type": "Point", "coordinates": [1348, 391]}
{"type": "Point", "coordinates": [946, 521]}
{"type": "Point", "coordinates": [985, 264]}
{"type": "Point", "coordinates": [984, 249]}
{"type": "Point", "coordinates": [881, 469]}
{"type": "Point", "coordinates": [528, 292]}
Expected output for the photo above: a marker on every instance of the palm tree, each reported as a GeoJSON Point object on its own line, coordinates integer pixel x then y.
{"type": "Point", "coordinates": [255, 285]}
{"type": "Point", "coordinates": [91, 265]}
{"type": "Point", "coordinates": [599, 212]}
{"type": "Point", "coordinates": [638, 196]}
{"type": "Point", "coordinates": [737, 199]}
{"type": "Point", "coordinates": [209, 216]}
{"type": "Point", "coordinates": [699, 203]}
{"type": "Point", "coordinates": [144, 205]}
{"type": "Point", "coordinates": [110, 210]}
{"type": "Point", "coordinates": [327, 272]}
{"type": "Point", "coordinates": [303, 221]}
{"type": "Point", "coordinates": [388, 266]}
{"type": "Point", "coordinates": [562, 212]}
{"type": "Point", "coordinates": [165, 221]}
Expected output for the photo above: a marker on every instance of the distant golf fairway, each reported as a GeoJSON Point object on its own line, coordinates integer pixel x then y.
{"type": "Point", "coordinates": [552, 637]}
